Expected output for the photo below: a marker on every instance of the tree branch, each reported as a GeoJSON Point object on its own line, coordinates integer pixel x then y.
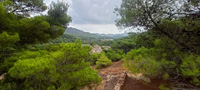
{"type": "Point", "coordinates": [167, 34]}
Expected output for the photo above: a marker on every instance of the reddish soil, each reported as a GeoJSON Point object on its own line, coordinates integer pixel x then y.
{"type": "Point", "coordinates": [133, 84]}
{"type": "Point", "coordinates": [111, 74]}
{"type": "Point", "coordinates": [114, 68]}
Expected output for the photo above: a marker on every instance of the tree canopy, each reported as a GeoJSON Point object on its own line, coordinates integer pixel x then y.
{"type": "Point", "coordinates": [25, 7]}
{"type": "Point", "coordinates": [150, 13]}
{"type": "Point", "coordinates": [52, 66]}
{"type": "Point", "coordinates": [153, 14]}
{"type": "Point", "coordinates": [57, 14]}
{"type": "Point", "coordinates": [17, 32]}
{"type": "Point", "coordinates": [34, 29]}
{"type": "Point", "coordinates": [170, 42]}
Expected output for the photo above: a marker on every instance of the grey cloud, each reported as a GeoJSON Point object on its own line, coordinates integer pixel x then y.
{"type": "Point", "coordinates": [93, 11]}
{"type": "Point", "coordinates": [93, 15]}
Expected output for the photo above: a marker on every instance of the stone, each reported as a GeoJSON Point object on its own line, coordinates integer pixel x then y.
{"type": "Point", "coordinates": [146, 79]}
{"type": "Point", "coordinates": [2, 76]}
{"type": "Point", "coordinates": [117, 88]}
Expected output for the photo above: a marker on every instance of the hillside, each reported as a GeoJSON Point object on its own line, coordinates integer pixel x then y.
{"type": "Point", "coordinates": [113, 35]}
{"type": "Point", "coordinates": [80, 33]}
{"type": "Point", "coordinates": [77, 32]}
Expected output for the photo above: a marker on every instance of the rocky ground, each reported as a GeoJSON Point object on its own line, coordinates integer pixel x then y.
{"type": "Point", "coordinates": [110, 77]}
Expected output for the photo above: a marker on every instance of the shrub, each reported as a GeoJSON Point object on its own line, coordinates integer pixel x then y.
{"type": "Point", "coordinates": [163, 62]}
{"type": "Point", "coordinates": [93, 58]}
{"type": "Point", "coordinates": [190, 68]}
{"type": "Point", "coordinates": [113, 55]}
{"type": "Point", "coordinates": [139, 61]}
{"type": "Point", "coordinates": [63, 68]}
{"type": "Point", "coordinates": [103, 61]}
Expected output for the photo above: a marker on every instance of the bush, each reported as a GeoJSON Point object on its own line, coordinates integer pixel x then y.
{"type": "Point", "coordinates": [139, 61]}
{"type": "Point", "coordinates": [93, 58]}
{"type": "Point", "coordinates": [103, 61]}
{"type": "Point", "coordinates": [163, 61]}
{"type": "Point", "coordinates": [62, 68]}
{"type": "Point", "coordinates": [113, 55]}
{"type": "Point", "coordinates": [190, 68]}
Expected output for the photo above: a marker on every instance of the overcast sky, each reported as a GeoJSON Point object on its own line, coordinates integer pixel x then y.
{"type": "Point", "coordinates": [95, 16]}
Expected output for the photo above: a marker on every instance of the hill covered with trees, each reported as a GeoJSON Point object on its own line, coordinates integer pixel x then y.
{"type": "Point", "coordinates": [80, 33]}
{"type": "Point", "coordinates": [71, 34]}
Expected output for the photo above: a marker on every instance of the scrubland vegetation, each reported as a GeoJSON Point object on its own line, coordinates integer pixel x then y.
{"type": "Point", "coordinates": [28, 62]}
{"type": "Point", "coordinates": [169, 47]}
{"type": "Point", "coordinates": [32, 57]}
{"type": "Point", "coordinates": [60, 66]}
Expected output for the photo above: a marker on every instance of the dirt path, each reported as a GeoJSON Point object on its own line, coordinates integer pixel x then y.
{"type": "Point", "coordinates": [110, 76]}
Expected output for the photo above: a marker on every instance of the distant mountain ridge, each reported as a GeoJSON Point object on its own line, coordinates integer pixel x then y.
{"type": "Point", "coordinates": [77, 32]}
{"type": "Point", "coordinates": [113, 35]}
{"type": "Point", "coordinates": [80, 33]}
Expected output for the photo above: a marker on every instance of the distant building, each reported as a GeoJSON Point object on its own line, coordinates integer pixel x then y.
{"type": "Point", "coordinates": [101, 40]}
{"type": "Point", "coordinates": [98, 49]}
{"type": "Point", "coordinates": [105, 47]}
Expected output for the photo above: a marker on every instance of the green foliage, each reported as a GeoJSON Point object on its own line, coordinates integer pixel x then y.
{"type": "Point", "coordinates": [168, 52]}
{"type": "Point", "coordinates": [134, 40]}
{"type": "Point", "coordinates": [43, 66]}
{"type": "Point", "coordinates": [37, 30]}
{"type": "Point", "coordinates": [185, 31]}
{"type": "Point", "coordinates": [166, 76]}
{"type": "Point", "coordinates": [131, 54]}
{"type": "Point", "coordinates": [62, 67]}
{"type": "Point", "coordinates": [27, 68]}
{"type": "Point", "coordinates": [160, 58]}
{"type": "Point", "coordinates": [125, 44]}
{"type": "Point", "coordinates": [190, 68]}
{"type": "Point", "coordinates": [8, 40]}
{"type": "Point", "coordinates": [169, 18]}
{"type": "Point", "coordinates": [9, 62]}
{"type": "Point", "coordinates": [66, 38]}
{"type": "Point", "coordinates": [163, 60]}
{"type": "Point", "coordinates": [17, 31]}
{"type": "Point", "coordinates": [169, 48]}
{"type": "Point", "coordinates": [141, 61]}
{"type": "Point", "coordinates": [33, 30]}
{"type": "Point", "coordinates": [24, 7]}
{"type": "Point", "coordinates": [57, 14]}
{"type": "Point", "coordinates": [105, 43]}
{"type": "Point", "coordinates": [93, 58]}
{"type": "Point", "coordinates": [113, 55]}
{"type": "Point", "coordinates": [8, 35]}
{"type": "Point", "coordinates": [103, 61]}
{"type": "Point", "coordinates": [8, 20]}
{"type": "Point", "coordinates": [56, 31]}
{"type": "Point", "coordinates": [162, 87]}
{"type": "Point", "coordinates": [149, 14]}
{"type": "Point", "coordinates": [86, 37]}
